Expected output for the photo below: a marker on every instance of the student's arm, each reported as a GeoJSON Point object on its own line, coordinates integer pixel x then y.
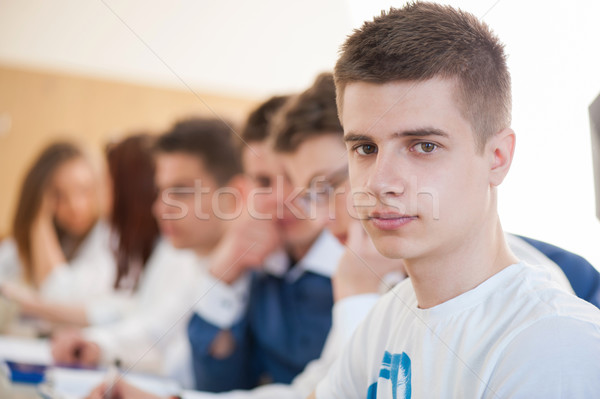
{"type": "Point", "coordinates": [218, 330]}
{"type": "Point", "coordinates": [221, 357]}
{"type": "Point", "coordinates": [31, 304]}
{"type": "Point", "coordinates": [218, 335]}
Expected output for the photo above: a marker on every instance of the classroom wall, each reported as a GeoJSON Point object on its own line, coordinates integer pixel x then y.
{"type": "Point", "coordinates": [38, 106]}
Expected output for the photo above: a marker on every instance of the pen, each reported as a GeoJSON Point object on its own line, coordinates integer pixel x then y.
{"type": "Point", "coordinates": [112, 376]}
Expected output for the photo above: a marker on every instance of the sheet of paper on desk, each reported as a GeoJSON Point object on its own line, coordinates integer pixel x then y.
{"type": "Point", "coordinates": [76, 383]}
{"type": "Point", "coordinates": [25, 350]}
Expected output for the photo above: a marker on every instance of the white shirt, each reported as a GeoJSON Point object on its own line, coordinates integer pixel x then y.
{"type": "Point", "coordinates": [89, 275]}
{"type": "Point", "coordinates": [153, 338]}
{"type": "Point", "coordinates": [10, 266]}
{"type": "Point", "coordinates": [167, 269]}
{"type": "Point", "coordinates": [516, 335]}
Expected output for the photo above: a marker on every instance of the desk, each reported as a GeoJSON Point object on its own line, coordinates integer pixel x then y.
{"type": "Point", "coordinates": [67, 383]}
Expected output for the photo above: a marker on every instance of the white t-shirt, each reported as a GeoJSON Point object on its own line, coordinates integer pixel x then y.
{"type": "Point", "coordinates": [516, 335]}
{"type": "Point", "coordinates": [153, 337]}
{"type": "Point", "coordinates": [89, 275]}
{"type": "Point", "coordinates": [166, 272]}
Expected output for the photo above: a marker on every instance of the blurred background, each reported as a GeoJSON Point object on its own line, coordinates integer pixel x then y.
{"type": "Point", "coordinates": [99, 69]}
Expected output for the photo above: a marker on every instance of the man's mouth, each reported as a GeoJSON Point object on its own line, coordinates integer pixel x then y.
{"type": "Point", "coordinates": [390, 220]}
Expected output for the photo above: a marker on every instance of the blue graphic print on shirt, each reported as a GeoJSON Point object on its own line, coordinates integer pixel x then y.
{"type": "Point", "coordinates": [393, 375]}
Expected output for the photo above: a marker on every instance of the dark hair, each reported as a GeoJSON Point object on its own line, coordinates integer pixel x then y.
{"type": "Point", "coordinates": [311, 113]}
{"type": "Point", "coordinates": [32, 192]}
{"type": "Point", "coordinates": [257, 125]}
{"type": "Point", "coordinates": [210, 140]}
{"type": "Point", "coordinates": [131, 168]}
{"type": "Point", "coordinates": [424, 40]}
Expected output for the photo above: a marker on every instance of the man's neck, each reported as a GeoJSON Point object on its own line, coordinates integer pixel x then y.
{"type": "Point", "coordinates": [298, 251]}
{"type": "Point", "coordinates": [207, 248]}
{"type": "Point", "coordinates": [447, 274]}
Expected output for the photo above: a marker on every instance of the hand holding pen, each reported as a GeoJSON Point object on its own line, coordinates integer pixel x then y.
{"type": "Point", "coordinates": [119, 389]}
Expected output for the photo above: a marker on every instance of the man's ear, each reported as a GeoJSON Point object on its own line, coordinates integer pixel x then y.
{"type": "Point", "coordinates": [501, 148]}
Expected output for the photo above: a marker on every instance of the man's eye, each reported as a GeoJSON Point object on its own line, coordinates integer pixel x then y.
{"type": "Point", "coordinates": [263, 181]}
{"type": "Point", "coordinates": [366, 149]}
{"type": "Point", "coordinates": [425, 147]}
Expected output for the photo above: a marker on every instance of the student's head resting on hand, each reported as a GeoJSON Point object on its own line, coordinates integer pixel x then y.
{"type": "Point", "coordinates": [61, 184]}
{"type": "Point", "coordinates": [307, 136]}
{"type": "Point", "coordinates": [271, 194]}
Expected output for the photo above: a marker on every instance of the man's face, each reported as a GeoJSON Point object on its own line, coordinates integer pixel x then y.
{"type": "Point", "coordinates": [320, 166]}
{"type": "Point", "coordinates": [261, 169]}
{"type": "Point", "coordinates": [269, 187]}
{"type": "Point", "coordinates": [418, 182]}
{"type": "Point", "coordinates": [183, 210]}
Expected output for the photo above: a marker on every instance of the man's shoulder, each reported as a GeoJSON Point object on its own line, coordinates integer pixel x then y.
{"type": "Point", "coordinates": [561, 349]}
{"type": "Point", "coordinates": [540, 307]}
{"type": "Point", "coordinates": [536, 286]}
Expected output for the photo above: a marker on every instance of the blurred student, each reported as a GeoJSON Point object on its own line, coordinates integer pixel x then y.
{"type": "Point", "coordinates": [194, 160]}
{"type": "Point", "coordinates": [143, 261]}
{"type": "Point", "coordinates": [59, 245]}
{"type": "Point", "coordinates": [268, 315]}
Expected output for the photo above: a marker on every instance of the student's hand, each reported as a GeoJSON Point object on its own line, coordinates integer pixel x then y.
{"type": "Point", "coordinates": [362, 269]}
{"type": "Point", "coordinates": [120, 390]}
{"type": "Point", "coordinates": [245, 246]}
{"type": "Point", "coordinates": [47, 207]}
{"type": "Point", "coordinates": [46, 252]}
{"type": "Point", "coordinates": [70, 348]}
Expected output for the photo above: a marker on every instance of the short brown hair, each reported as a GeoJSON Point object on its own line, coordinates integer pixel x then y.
{"type": "Point", "coordinates": [210, 140]}
{"type": "Point", "coordinates": [257, 125]}
{"type": "Point", "coordinates": [311, 113]}
{"type": "Point", "coordinates": [423, 40]}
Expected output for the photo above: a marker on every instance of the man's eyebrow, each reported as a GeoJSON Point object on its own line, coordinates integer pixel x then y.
{"type": "Point", "coordinates": [424, 132]}
{"type": "Point", "coordinates": [351, 137]}
{"type": "Point", "coordinates": [179, 184]}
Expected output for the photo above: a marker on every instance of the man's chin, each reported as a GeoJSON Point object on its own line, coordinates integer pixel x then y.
{"type": "Point", "coordinates": [390, 247]}
{"type": "Point", "coordinates": [177, 243]}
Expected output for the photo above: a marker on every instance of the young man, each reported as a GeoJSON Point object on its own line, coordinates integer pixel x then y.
{"type": "Point", "coordinates": [309, 159]}
{"type": "Point", "coordinates": [195, 159]}
{"type": "Point", "coordinates": [424, 98]}
{"type": "Point", "coordinates": [265, 318]}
